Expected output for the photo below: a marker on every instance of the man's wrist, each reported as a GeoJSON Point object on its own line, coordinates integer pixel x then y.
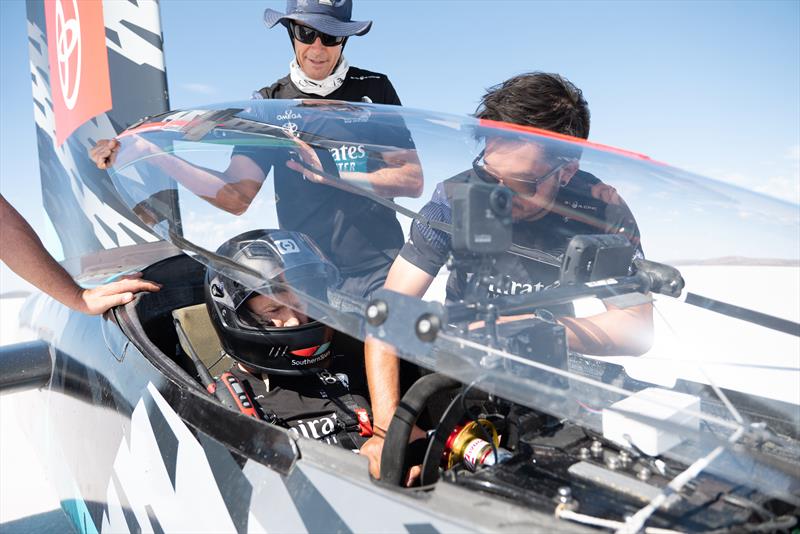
{"type": "Point", "coordinates": [360, 180]}
{"type": "Point", "coordinates": [77, 301]}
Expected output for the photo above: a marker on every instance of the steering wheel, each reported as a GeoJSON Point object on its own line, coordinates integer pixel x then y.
{"type": "Point", "coordinates": [395, 443]}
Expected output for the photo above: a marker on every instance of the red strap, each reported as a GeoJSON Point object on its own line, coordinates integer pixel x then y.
{"type": "Point", "coordinates": [364, 426]}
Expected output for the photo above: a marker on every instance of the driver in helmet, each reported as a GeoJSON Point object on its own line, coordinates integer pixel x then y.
{"type": "Point", "coordinates": [284, 359]}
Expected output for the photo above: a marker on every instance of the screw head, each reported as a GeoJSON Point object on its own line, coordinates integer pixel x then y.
{"type": "Point", "coordinates": [377, 311]}
{"type": "Point", "coordinates": [428, 326]}
{"type": "Point", "coordinates": [612, 462]}
{"type": "Point", "coordinates": [643, 473]}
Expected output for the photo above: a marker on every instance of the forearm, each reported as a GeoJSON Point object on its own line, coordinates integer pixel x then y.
{"type": "Point", "coordinates": [401, 177]}
{"type": "Point", "coordinates": [380, 359]}
{"type": "Point", "coordinates": [23, 252]}
{"type": "Point", "coordinates": [617, 332]}
{"type": "Point", "coordinates": [403, 181]}
{"type": "Point", "coordinates": [212, 186]}
{"type": "Point", "coordinates": [383, 377]}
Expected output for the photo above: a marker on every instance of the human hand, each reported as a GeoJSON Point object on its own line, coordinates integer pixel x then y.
{"type": "Point", "coordinates": [104, 153]}
{"type": "Point", "coordinates": [98, 300]}
{"type": "Point", "coordinates": [373, 448]}
{"type": "Point", "coordinates": [606, 193]}
{"type": "Point", "coordinates": [310, 158]}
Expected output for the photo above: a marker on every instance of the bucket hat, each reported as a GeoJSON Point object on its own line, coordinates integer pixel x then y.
{"type": "Point", "coordinates": [327, 16]}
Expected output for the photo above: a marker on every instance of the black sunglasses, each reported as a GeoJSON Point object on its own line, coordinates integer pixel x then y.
{"type": "Point", "coordinates": [307, 35]}
{"type": "Point", "coordinates": [525, 187]}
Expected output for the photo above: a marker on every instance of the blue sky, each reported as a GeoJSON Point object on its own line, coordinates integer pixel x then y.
{"type": "Point", "coordinates": [712, 87]}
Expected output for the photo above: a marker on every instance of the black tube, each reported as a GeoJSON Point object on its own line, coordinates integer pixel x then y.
{"type": "Point", "coordinates": [405, 417]}
{"type": "Point", "coordinates": [200, 367]}
{"type": "Point", "coordinates": [745, 314]}
{"type": "Point", "coordinates": [25, 366]}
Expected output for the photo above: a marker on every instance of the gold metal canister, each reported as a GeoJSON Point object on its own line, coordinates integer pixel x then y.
{"type": "Point", "coordinates": [463, 436]}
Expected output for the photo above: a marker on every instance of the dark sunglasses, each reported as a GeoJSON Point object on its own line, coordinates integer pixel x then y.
{"type": "Point", "coordinates": [525, 187]}
{"type": "Point", "coordinates": [307, 35]}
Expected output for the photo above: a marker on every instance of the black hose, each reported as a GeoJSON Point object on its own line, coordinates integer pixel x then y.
{"type": "Point", "coordinates": [25, 366]}
{"type": "Point", "coordinates": [405, 417]}
{"type": "Point", "coordinates": [480, 427]}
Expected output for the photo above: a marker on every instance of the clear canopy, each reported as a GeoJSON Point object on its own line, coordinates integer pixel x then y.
{"type": "Point", "coordinates": [675, 281]}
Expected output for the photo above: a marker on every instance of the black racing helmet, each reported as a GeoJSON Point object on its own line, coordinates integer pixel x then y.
{"type": "Point", "coordinates": [287, 262]}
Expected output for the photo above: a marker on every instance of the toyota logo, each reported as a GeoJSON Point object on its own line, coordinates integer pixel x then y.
{"type": "Point", "coordinates": [290, 127]}
{"type": "Point", "coordinates": [68, 52]}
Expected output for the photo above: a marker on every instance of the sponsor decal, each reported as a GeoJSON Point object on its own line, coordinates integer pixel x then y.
{"type": "Point", "coordinates": [320, 428]}
{"type": "Point", "coordinates": [290, 128]}
{"type": "Point", "coordinates": [517, 288]}
{"type": "Point", "coordinates": [333, 3]}
{"type": "Point", "coordinates": [286, 246]}
{"type": "Point", "coordinates": [305, 353]}
{"type": "Point", "coordinates": [309, 361]}
{"type": "Point", "coordinates": [216, 290]}
{"type": "Point", "coordinates": [580, 205]}
{"type": "Point", "coordinates": [350, 158]}
{"type": "Point", "coordinates": [312, 351]}
{"type": "Point", "coordinates": [79, 78]}
{"type": "Point", "coordinates": [289, 115]}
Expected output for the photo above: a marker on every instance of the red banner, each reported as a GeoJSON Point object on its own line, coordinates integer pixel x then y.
{"type": "Point", "coordinates": [79, 79]}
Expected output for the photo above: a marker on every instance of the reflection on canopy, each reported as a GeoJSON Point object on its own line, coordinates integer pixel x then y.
{"type": "Point", "coordinates": [199, 177]}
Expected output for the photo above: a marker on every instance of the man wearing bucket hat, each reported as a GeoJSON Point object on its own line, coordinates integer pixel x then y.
{"type": "Point", "coordinates": [318, 30]}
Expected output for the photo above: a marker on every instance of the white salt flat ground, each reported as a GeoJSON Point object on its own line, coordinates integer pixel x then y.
{"type": "Point", "coordinates": [28, 503]}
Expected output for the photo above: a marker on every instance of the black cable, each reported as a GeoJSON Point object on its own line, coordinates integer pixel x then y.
{"type": "Point", "coordinates": [202, 371]}
{"type": "Point", "coordinates": [743, 502]}
{"type": "Point", "coordinates": [483, 431]}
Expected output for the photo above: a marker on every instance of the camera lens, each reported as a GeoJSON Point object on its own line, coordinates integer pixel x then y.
{"type": "Point", "coordinates": [500, 201]}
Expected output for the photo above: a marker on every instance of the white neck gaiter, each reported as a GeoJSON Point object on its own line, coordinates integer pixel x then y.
{"type": "Point", "coordinates": [318, 87]}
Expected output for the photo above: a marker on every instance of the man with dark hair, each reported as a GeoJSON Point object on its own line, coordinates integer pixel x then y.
{"type": "Point", "coordinates": [539, 100]}
{"type": "Point", "coordinates": [553, 201]}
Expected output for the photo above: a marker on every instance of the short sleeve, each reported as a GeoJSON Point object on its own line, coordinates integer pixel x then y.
{"type": "Point", "coordinates": [428, 248]}
{"type": "Point", "coordinates": [390, 95]}
{"type": "Point", "coordinates": [265, 159]}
